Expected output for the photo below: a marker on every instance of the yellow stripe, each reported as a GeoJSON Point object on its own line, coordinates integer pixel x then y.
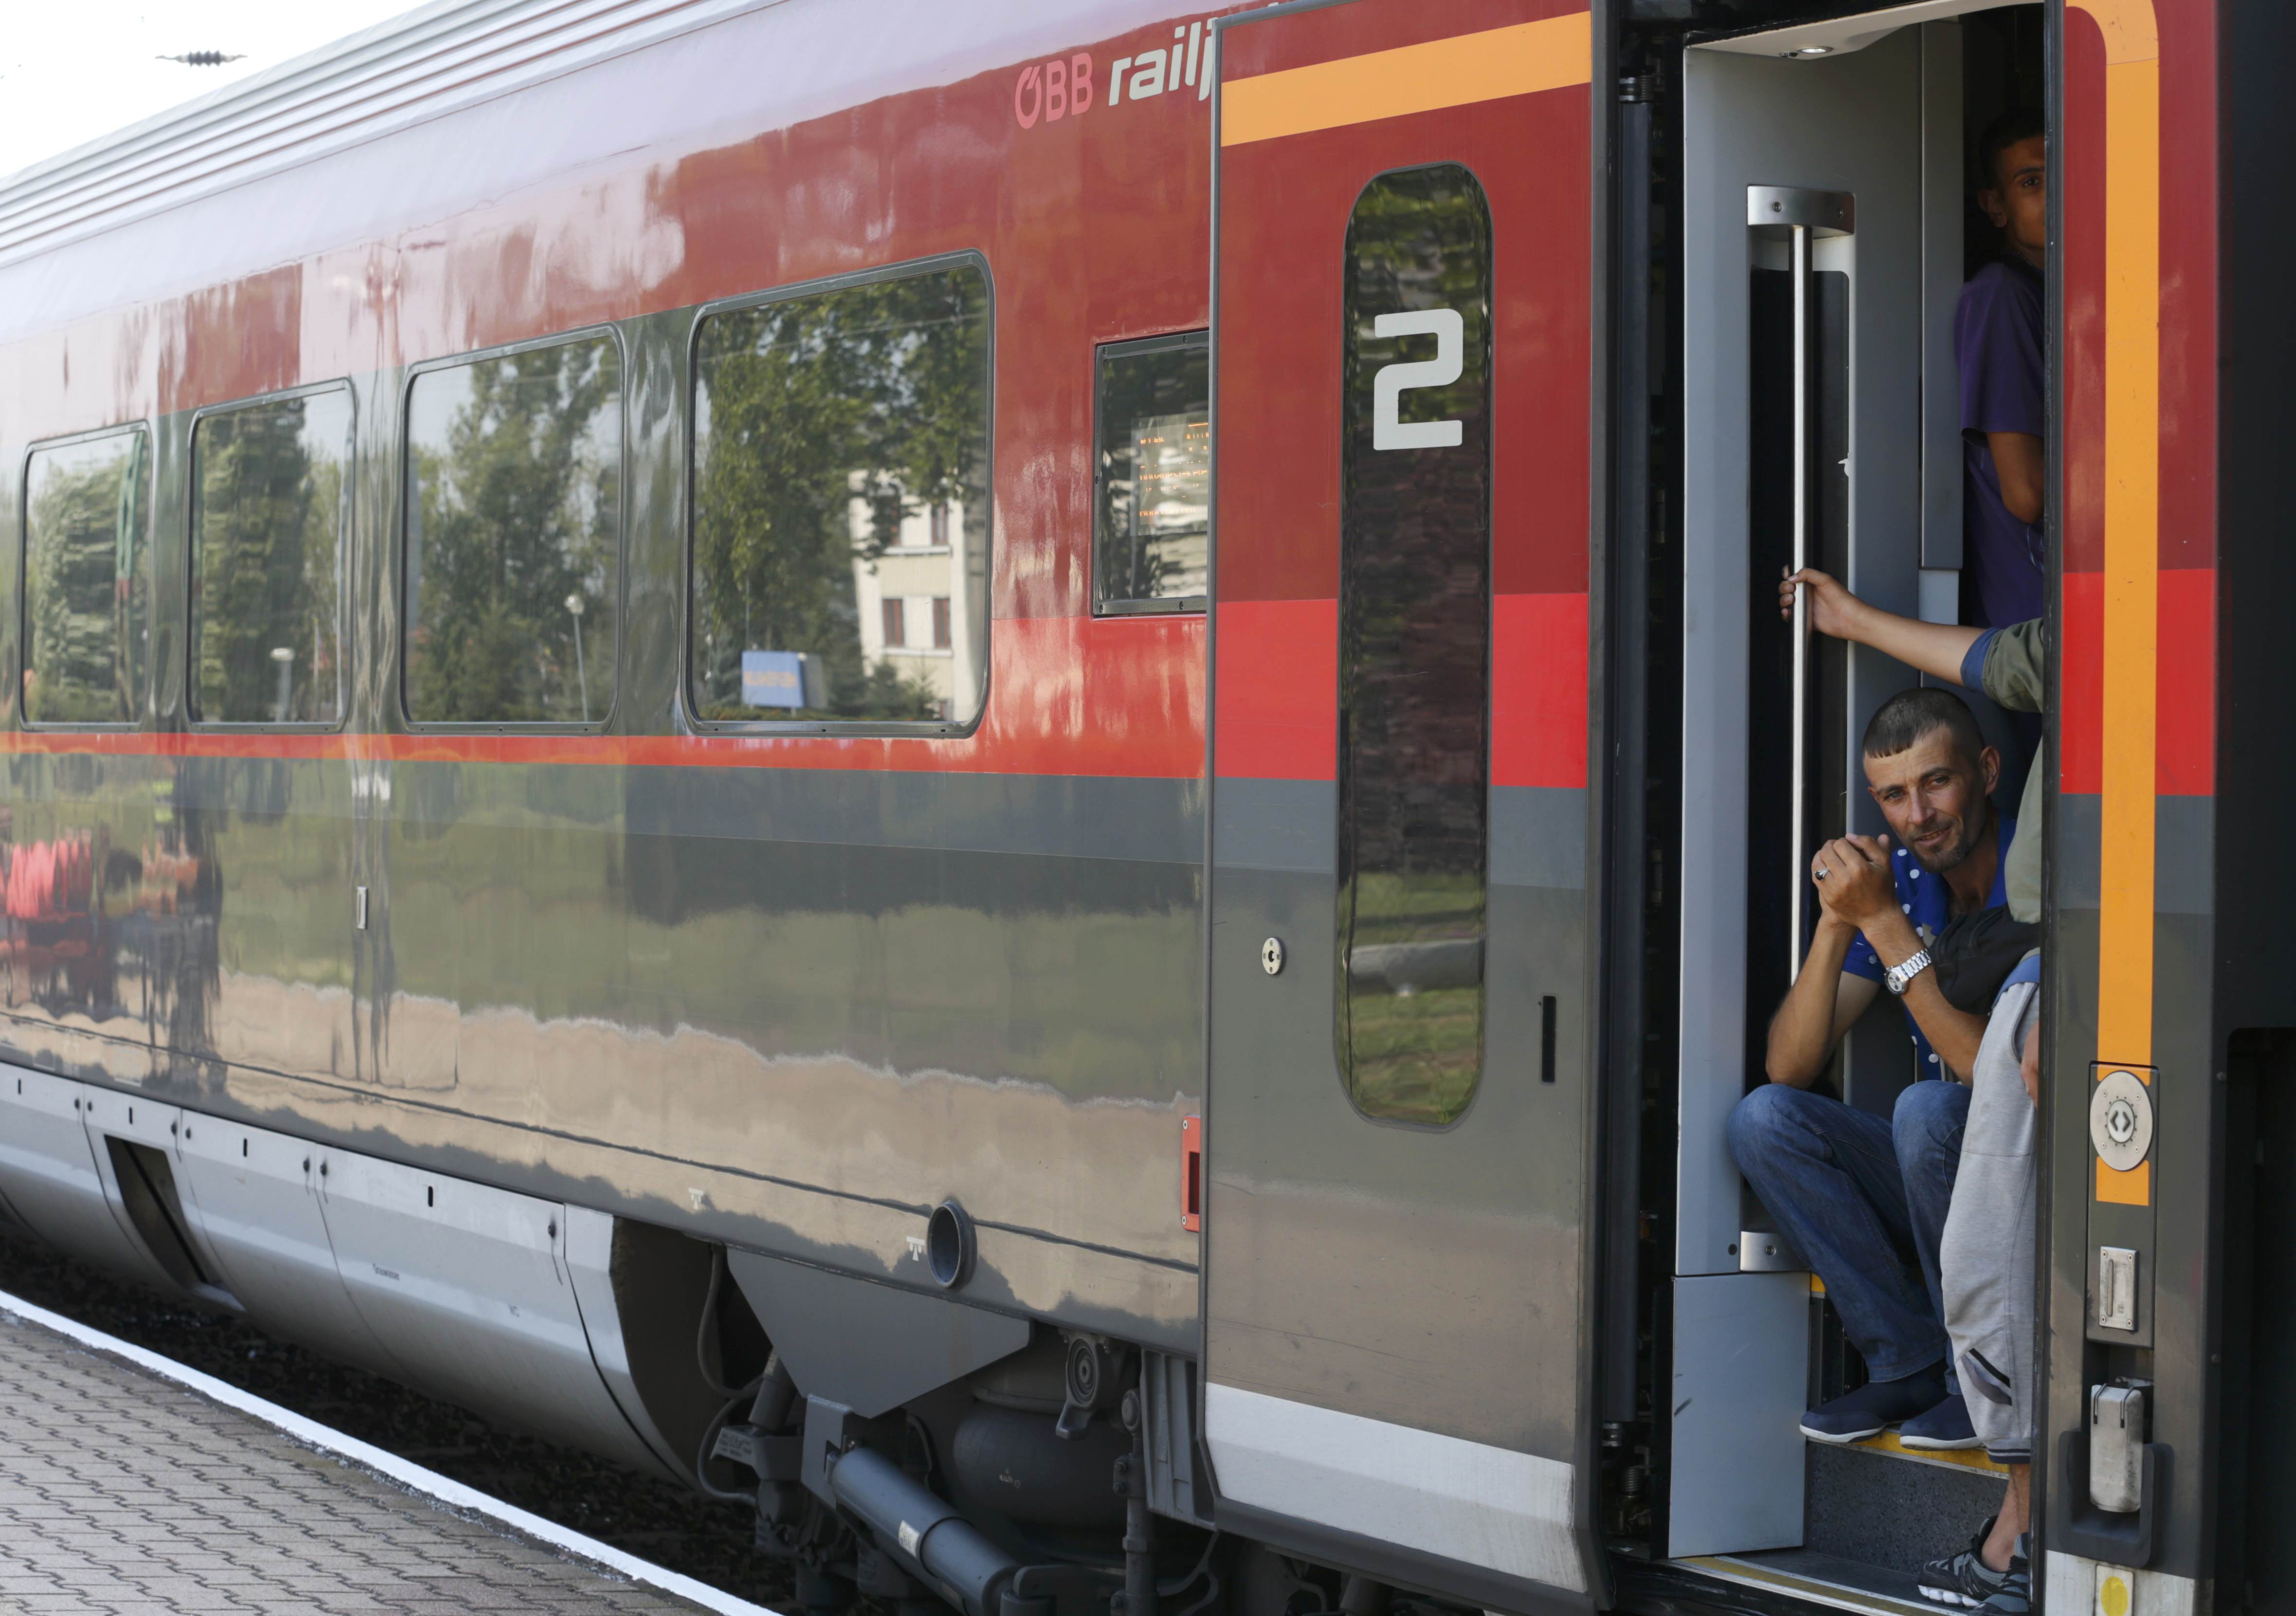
{"type": "Point", "coordinates": [2130, 1188]}
{"type": "Point", "coordinates": [1453, 72]}
{"type": "Point", "coordinates": [2132, 541]}
{"type": "Point", "coordinates": [2132, 557]}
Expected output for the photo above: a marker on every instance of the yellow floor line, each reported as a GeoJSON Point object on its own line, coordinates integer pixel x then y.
{"type": "Point", "coordinates": [1966, 1458]}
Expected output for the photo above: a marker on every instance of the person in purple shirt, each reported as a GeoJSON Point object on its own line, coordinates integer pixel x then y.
{"type": "Point", "coordinates": [1998, 343]}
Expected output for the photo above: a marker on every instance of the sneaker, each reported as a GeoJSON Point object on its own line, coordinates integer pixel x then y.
{"type": "Point", "coordinates": [1943, 1428]}
{"type": "Point", "coordinates": [1875, 1407]}
{"type": "Point", "coordinates": [1962, 1579]}
{"type": "Point", "coordinates": [2015, 1597]}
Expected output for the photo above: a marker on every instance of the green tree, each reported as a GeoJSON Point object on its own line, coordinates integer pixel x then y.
{"type": "Point", "coordinates": [267, 541]}
{"type": "Point", "coordinates": [877, 392]}
{"type": "Point", "coordinates": [514, 537]}
{"type": "Point", "coordinates": [83, 585]}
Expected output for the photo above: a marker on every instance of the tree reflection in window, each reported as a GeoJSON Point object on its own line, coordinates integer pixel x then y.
{"type": "Point", "coordinates": [85, 511]}
{"type": "Point", "coordinates": [269, 508]}
{"type": "Point", "coordinates": [841, 471]}
{"type": "Point", "coordinates": [514, 537]}
{"type": "Point", "coordinates": [1414, 639]}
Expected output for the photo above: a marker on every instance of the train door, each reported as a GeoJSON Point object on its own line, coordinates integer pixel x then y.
{"type": "Point", "coordinates": [1397, 1279]}
{"type": "Point", "coordinates": [1806, 238]}
{"type": "Point", "coordinates": [1823, 188]}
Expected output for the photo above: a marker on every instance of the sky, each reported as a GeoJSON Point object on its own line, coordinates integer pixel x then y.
{"type": "Point", "coordinates": [73, 70]}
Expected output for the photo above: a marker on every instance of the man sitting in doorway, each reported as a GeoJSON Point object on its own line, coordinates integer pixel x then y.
{"type": "Point", "coordinates": [1863, 1200]}
{"type": "Point", "coordinates": [1991, 1237]}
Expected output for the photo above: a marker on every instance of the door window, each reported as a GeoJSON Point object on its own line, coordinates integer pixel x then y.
{"type": "Point", "coordinates": [1414, 645]}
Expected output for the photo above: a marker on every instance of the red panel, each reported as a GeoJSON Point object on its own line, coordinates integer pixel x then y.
{"type": "Point", "coordinates": [2185, 756]}
{"type": "Point", "coordinates": [1285, 209]}
{"type": "Point", "coordinates": [1277, 690]}
{"type": "Point", "coordinates": [2188, 293]}
{"type": "Point", "coordinates": [2081, 685]}
{"type": "Point", "coordinates": [1538, 690]}
{"type": "Point", "coordinates": [1113, 697]}
{"type": "Point", "coordinates": [2081, 266]}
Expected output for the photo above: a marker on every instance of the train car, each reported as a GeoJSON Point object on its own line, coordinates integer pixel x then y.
{"type": "Point", "coordinates": [1021, 775]}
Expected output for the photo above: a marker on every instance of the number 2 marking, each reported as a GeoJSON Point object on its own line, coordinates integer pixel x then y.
{"type": "Point", "coordinates": [1389, 430]}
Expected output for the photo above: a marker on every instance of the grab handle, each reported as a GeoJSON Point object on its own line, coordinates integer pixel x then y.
{"type": "Point", "coordinates": [1801, 216]}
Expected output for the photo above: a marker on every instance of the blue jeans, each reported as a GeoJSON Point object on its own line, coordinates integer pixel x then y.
{"type": "Point", "coordinates": [1865, 1201]}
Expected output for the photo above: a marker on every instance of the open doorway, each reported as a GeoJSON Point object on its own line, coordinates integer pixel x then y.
{"type": "Point", "coordinates": [1834, 215]}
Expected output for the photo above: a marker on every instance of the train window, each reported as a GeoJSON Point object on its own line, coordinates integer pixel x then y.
{"type": "Point", "coordinates": [1152, 486]}
{"type": "Point", "coordinates": [270, 520]}
{"type": "Point", "coordinates": [514, 537]}
{"type": "Point", "coordinates": [1415, 644]}
{"type": "Point", "coordinates": [841, 504]}
{"type": "Point", "coordinates": [86, 507]}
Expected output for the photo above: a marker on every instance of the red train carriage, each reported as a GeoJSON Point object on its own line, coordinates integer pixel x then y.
{"type": "Point", "coordinates": [909, 758]}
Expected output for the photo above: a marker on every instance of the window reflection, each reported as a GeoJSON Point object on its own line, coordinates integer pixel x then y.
{"type": "Point", "coordinates": [1415, 614]}
{"type": "Point", "coordinates": [841, 524]}
{"type": "Point", "coordinates": [514, 537]}
{"type": "Point", "coordinates": [84, 513]}
{"type": "Point", "coordinates": [269, 502]}
{"type": "Point", "coordinates": [1152, 517]}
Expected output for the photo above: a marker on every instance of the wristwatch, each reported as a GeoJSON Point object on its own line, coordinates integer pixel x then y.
{"type": "Point", "coordinates": [1898, 978]}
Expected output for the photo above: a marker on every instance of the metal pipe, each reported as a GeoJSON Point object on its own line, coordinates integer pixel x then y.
{"type": "Point", "coordinates": [923, 1531]}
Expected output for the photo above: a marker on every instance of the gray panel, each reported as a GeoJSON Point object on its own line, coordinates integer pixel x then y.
{"type": "Point", "coordinates": [1399, 1273]}
{"type": "Point", "coordinates": [2184, 852]}
{"type": "Point", "coordinates": [1275, 824]}
{"type": "Point", "coordinates": [251, 1195]}
{"type": "Point", "coordinates": [48, 1173]}
{"type": "Point", "coordinates": [466, 1287]}
{"type": "Point", "coordinates": [1848, 122]}
{"type": "Point", "coordinates": [589, 1266]}
{"type": "Point", "coordinates": [869, 1347]}
{"type": "Point", "coordinates": [1539, 836]}
{"type": "Point", "coordinates": [1741, 1354]}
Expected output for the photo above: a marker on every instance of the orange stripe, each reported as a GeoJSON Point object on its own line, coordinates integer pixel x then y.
{"type": "Point", "coordinates": [2132, 522]}
{"type": "Point", "coordinates": [2131, 1188]}
{"type": "Point", "coordinates": [1500, 61]}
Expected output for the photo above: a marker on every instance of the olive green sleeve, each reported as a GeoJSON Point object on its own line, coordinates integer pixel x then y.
{"type": "Point", "coordinates": [2016, 665]}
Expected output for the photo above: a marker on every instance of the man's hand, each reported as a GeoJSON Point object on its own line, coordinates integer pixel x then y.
{"type": "Point", "coordinates": [1853, 881]}
{"type": "Point", "coordinates": [2030, 1066]}
{"type": "Point", "coordinates": [1832, 609]}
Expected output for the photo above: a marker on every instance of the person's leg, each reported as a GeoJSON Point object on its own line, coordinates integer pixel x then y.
{"type": "Point", "coordinates": [1926, 1130]}
{"type": "Point", "coordinates": [1989, 1259]}
{"type": "Point", "coordinates": [1829, 1174]}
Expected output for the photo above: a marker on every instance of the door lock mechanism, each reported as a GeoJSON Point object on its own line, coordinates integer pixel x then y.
{"type": "Point", "coordinates": [1271, 955]}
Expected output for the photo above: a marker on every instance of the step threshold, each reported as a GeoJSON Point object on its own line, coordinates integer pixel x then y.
{"type": "Point", "coordinates": [1888, 1446]}
{"type": "Point", "coordinates": [1827, 1580]}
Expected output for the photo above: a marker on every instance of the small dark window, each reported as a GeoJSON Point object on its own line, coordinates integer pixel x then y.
{"type": "Point", "coordinates": [270, 507]}
{"type": "Point", "coordinates": [940, 622]}
{"type": "Point", "coordinates": [1152, 493]}
{"type": "Point", "coordinates": [1415, 644]}
{"type": "Point", "coordinates": [514, 537]}
{"type": "Point", "coordinates": [841, 473]}
{"type": "Point", "coordinates": [87, 511]}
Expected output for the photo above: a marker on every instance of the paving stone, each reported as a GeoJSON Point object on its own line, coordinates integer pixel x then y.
{"type": "Point", "coordinates": [122, 1494]}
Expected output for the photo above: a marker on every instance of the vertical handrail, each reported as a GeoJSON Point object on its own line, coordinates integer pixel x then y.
{"type": "Point", "coordinates": [1801, 216]}
{"type": "Point", "coordinates": [1797, 851]}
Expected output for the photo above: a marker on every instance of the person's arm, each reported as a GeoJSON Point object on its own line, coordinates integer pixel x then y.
{"type": "Point", "coordinates": [1937, 649]}
{"type": "Point", "coordinates": [2017, 464]}
{"type": "Point", "coordinates": [1823, 1003]}
{"type": "Point", "coordinates": [1859, 890]}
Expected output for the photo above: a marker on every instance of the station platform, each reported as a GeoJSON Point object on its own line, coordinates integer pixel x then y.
{"type": "Point", "coordinates": [128, 1483]}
